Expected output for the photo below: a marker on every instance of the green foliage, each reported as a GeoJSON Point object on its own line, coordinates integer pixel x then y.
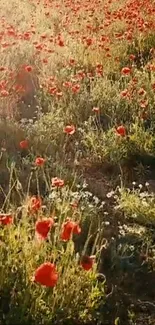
{"type": "Point", "coordinates": [138, 205]}
{"type": "Point", "coordinates": [75, 54]}
{"type": "Point", "coordinates": [25, 302]}
{"type": "Point", "coordinates": [108, 146]}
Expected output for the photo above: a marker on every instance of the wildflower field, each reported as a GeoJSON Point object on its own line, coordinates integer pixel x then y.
{"type": "Point", "coordinates": [77, 162]}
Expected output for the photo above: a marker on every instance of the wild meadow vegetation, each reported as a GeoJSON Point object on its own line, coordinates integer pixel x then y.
{"type": "Point", "coordinates": [77, 162]}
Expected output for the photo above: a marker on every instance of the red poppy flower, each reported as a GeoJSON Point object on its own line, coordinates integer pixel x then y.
{"type": "Point", "coordinates": [144, 103]}
{"type": "Point", "coordinates": [141, 91]}
{"type": "Point", "coordinates": [4, 93]}
{"type": "Point", "coordinates": [126, 71]}
{"type": "Point", "coordinates": [24, 144]}
{"type": "Point", "coordinates": [46, 275]}
{"type": "Point", "coordinates": [43, 227]}
{"type": "Point", "coordinates": [135, 80]}
{"type": "Point", "coordinates": [124, 93]}
{"type": "Point", "coordinates": [35, 203]}
{"type": "Point", "coordinates": [69, 228]}
{"type": "Point", "coordinates": [121, 130]}
{"type": "Point", "coordinates": [89, 41]}
{"type": "Point", "coordinates": [87, 262]}
{"type": "Point", "coordinates": [3, 69]}
{"type": "Point", "coordinates": [132, 57]}
{"type": "Point", "coordinates": [153, 86]}
{"type": "Point", "coordinates": [151, 67]}
{"type": "Point", "coordinates": [6, 219]}
{"type": "Point", "coordinates": [28, 68]}
{"type": "Point", "coordinates": [40, 161]}
{"type": "Point", "coordinates": [60, 42]}
{"type": "Point", "coordinates": [57, 182]}
{"type": "Point", "coordinates": [69, 129]}
{"type": "Point", "coordinates": [76, 88]}
{"type": "Point", "coordinates": [71, 61]}
{"type": "Point", "coordinates": [67, 84]}
{"type": "Point", "coordinates": [45, 60]}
